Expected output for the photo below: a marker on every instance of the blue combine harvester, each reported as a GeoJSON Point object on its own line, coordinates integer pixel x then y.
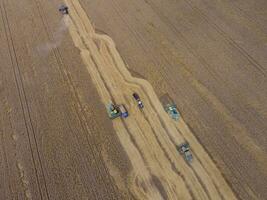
{"type": "Point", "coordinates": [171, 109]}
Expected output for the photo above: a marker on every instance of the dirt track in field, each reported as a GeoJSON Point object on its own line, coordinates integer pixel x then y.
{"type": "Point", "coordinates": [56, 141]}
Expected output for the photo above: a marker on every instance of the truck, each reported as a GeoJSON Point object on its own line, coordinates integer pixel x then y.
{"type": "Point", "coordinates": [137, 98]}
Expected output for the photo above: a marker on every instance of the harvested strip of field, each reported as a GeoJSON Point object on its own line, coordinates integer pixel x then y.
{"type": "Point", "coordinates": [149, 136]}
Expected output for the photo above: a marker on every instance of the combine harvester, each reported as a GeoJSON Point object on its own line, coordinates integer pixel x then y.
{"type": "Point", "coordinates": [115, 111]}
{"type": "Point", "coordinates": [63, 9]}
{"type": "Point", "coordinates": [184, 149]}
{"type": "Point", "coordinates": [171, 109]}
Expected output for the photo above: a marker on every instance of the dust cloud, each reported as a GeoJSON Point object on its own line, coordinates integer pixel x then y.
{"type": "Point", "coordinates": [57, 37]}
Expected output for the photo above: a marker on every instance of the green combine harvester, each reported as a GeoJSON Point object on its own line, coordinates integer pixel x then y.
{"type": "Point", "coordinates": [171, 109]}
{"type": "Point", "coordinates": [115, 111]}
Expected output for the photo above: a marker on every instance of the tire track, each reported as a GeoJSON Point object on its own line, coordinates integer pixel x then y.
{"type": "Point", "coordinates": [242, 13]}
{"type": "Point", "coordinates": [82, 118]}
{"type": "Point", "coordinates": [142, 43]}
{"type": "Point", "coordinates": [228, 39]}
{"type": "Point", "coordinates": [184, 41]}
{"type": "Point", "coordinates": [21, 92]}
{"type": "Point", "coordinates": [7, 165]}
